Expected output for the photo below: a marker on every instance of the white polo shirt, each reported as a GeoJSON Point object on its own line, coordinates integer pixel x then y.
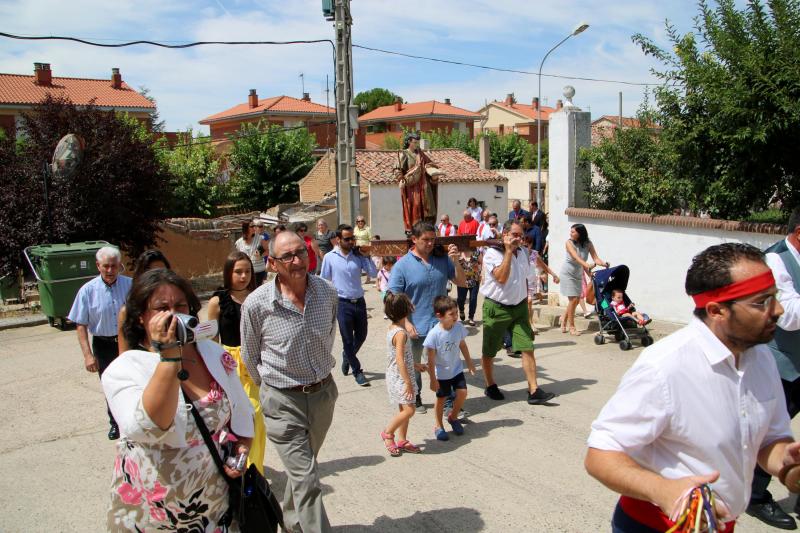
{"type": "Point", "coordinates": [515, 289]}
{"type": "Point", "coordinates": [684, 409]}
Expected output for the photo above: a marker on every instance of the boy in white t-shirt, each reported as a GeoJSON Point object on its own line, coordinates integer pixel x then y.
{"type": "Point", "coordinates": [444, 344]}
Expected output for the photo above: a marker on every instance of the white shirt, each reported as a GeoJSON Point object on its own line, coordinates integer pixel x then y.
{"type": "Point", "coordinates": [486, 232]}
{"type": "Point", "coordinates": [515, 289]}
{"type": "Point", "coordinates": [787, 296]}
{"type": "Point", "coordinates": [129, 374]}
{"type": "Point", "coordinates": [447, 345]}
{"type": "Point", "coordinates": [684, 409]}
{"type": "Point", "coordinates": [476, 211]}
{"type": "Point", "coordinates": [446, 230]}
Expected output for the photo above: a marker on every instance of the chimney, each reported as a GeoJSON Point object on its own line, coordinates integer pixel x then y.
{"type": "Point", "coordinates": [509, 99]}
{"type": "Point", "coordinates": [559, 104]}
{"type": "Point", "coordinates": [116, 78]}
{"type": "Point", "coordinates": [535, 103]}
{"type": "Point", "coordinates": [306, 97]}
{"type": "Point", "coordinates": [43, 74]}
{"type": "Point", "coordinates": [398, 104]}
{"type": "Point", "coordinates": [483, 152]}
{"type": "Point", "coordinates": [252, 99]}
{"type": "Point", "coordinates": [447, 101]}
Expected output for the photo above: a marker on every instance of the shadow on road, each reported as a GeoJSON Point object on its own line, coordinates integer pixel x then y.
{"type": "Point", "coordinates": [277, 479]}
{"type": "Point", "coordinates": [472, 430]}
{"type": "Point", "coordinates": [460, 519]}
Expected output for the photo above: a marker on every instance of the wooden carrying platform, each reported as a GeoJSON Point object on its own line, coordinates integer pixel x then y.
{"type": "Point", "coordinates": [401, 246]}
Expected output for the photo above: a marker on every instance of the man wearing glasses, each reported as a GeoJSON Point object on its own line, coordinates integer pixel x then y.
{"type": "Point", "coordinates": [343, 267]}
{"type": "Point", "coordinates": [287, 330]}
{"type": "Point", "coordinates": [783, 259]}
{"type": "Point", "coordinates": [701, 406]}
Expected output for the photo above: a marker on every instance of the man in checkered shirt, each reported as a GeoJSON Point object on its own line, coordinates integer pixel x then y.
{"type": "Point", "coordinates": [287, 330]}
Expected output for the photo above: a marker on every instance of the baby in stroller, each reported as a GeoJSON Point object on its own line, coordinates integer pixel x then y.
{"type": "Point", "coordinates": [628, 310]}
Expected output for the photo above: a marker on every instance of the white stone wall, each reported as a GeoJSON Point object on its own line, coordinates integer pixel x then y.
{"type": "Point", "coordinates": [386, 211]}
{"type": "Point", "coordinates": [658, 257]}
{"type": "Point", "coordinates": [453, 198]}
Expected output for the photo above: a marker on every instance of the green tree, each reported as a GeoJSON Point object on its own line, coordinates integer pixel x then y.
{"type": "Point", "coordinates": [193, 170]}
{"type": "Point", "coordinates": [728, 106]}
{"type": "Point", "coordinates": [373, 99]}
{"type": "Point", "coordinates": [267, 162]}
{"type": "Point", "coordinates": [637, 171]}
{"type": "Point", "coordinates": [453, 139]}
{"type": "Point", "coordinates": [508, 151]}
{"type": "Point", "coordinates": [116, 193]}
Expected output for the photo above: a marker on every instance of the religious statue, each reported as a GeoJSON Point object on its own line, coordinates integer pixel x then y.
{"type": "Point", "coordinates": [417, 177]}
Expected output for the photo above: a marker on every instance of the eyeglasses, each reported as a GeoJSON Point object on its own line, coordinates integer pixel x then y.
{"type": "Point", "coordinates": [761, 306]}
{"type": "Point", "coordinates": [288, 258]}
{"type": "Point", "coordinates": [181, 307]}
{"type": "Point", "coordinates": [348, 239]}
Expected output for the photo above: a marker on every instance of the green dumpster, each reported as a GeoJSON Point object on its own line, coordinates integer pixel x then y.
{"type": "Point", "coordinates": [61, 270]}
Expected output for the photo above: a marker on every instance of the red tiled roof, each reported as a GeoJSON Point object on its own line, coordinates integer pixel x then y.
{"type": "Point", "coordinates": [527, 110]}
{"type": "Point", "coordinates": [429, 109]}
{"type": "Point", "coordinates": [627, 122]}
{"type": "Point", "coordinates": [377, 166]}
{"type": "Point", "coordinates": [20, 89]}
{"type": "Point", "coordinates": [282, 105]}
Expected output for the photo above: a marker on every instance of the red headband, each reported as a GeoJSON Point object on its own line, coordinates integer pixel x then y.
{"type": "Point", "coordinates": [730, 292]}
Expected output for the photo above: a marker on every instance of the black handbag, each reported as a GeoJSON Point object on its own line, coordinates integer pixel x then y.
{"type": "Point", "coordinates": [251, 499]}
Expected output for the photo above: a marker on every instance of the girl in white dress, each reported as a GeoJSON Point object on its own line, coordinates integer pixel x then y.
{"type": "Point", "coordinates": [400, 367]}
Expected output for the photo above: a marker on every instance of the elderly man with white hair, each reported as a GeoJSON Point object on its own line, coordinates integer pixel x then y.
{"type": "Point", "coordinates": [95, 311]}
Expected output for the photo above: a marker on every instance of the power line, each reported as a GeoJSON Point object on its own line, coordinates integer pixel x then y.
{"type": "Point", "coordinates": [154, 43]}
{"type": "Point", "coordinates": [312, 41]}
{"type": "Point", "coordinates": [498, 69]}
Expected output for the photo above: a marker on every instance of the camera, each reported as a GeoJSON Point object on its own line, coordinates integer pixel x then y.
{"type": "Point", "coordinates": [189, 329]}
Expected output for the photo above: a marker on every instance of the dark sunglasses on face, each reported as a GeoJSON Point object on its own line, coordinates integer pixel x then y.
{"type": "Point", "coordinates": [348, 239]}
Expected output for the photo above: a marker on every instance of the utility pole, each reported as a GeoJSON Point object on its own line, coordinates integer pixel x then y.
{"type": "Point", "coordinates": [347, 187]}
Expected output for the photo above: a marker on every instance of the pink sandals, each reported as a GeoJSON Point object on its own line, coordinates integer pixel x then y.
{"type": "Point", "coordinates": [391, 447]}
{"type": "Point", "coordinates": [407, 446]}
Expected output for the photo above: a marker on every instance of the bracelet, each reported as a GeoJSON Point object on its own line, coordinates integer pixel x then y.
{"type": "Point", "coordinates": [160, 346]}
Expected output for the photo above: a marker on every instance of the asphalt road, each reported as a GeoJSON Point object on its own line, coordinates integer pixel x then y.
{"type": "Point", "coordinates": [516, 468]}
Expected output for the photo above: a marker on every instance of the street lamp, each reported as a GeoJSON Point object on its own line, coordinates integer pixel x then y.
{"type": "Point", "coordinates": [578, 29]}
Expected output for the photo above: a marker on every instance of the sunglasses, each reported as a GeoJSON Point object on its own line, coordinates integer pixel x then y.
{"type": "Point", "coordinates": [348, 239]}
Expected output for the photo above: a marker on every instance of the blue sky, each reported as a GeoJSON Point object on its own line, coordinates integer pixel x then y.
{"type": "Point", "coordinates": [191, 84]}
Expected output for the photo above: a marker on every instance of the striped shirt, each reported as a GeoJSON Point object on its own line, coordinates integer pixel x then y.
{"type": "Point", "coordinates": [282, 346]}
{"type": "Point", "coordinates": [97, 305]}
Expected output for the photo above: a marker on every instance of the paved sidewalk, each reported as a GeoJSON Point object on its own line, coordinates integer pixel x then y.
{"type": "Point", "coordinates": [516, 468]}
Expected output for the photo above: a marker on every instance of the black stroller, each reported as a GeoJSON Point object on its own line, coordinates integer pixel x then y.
{"type": "Point", "coordinates": [611, 325]}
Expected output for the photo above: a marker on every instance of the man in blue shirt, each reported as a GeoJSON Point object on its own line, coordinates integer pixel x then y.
{"type": "Point", "coordinates": [423, 276]}
{"type": "Point", "coordinates": [95, 311]}
{"type": "Point", "coordinates": [517, 212]}
{"type": "Point", "coordinates": [534, 232]}
{"type": "Point", "coordinates": [343, 266]}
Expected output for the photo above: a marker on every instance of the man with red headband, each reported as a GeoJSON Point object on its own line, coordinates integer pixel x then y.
{"type": "Point", "coordinates": [783, 258]}
{"type": "Point", "coordinates": [701, 406]}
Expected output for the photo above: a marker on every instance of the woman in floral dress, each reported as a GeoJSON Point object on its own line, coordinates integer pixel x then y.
{"type": "Point", "coordinates": [164, 477]}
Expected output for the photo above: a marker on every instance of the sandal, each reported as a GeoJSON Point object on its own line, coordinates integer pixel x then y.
{"type": "Point", "coordinates": [573, 331]}
{"type": "Point", "coordinates": [406, 446]}
{"type": "Point", "coordinates": [391, 447]}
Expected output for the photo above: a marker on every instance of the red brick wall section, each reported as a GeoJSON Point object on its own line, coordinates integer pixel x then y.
{"type": "Point", "coordinates": [680, 221]}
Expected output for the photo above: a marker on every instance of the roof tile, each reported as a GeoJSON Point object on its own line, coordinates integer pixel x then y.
{"type": "Point", "coordinates": [430, 109]}
{"type": "Point", "coordinates": [275, 104]}
{"type": "Point", "coordinates": [377, 166]}
{"type": "Point", "coordinates": [21, 89]}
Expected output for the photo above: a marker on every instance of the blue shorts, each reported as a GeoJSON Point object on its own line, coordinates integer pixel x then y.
{"type": "Point", "coordinates": [446, 385]}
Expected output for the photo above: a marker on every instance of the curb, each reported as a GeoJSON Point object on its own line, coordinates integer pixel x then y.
{"type": "Point", "coordinates": [22, 322]}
